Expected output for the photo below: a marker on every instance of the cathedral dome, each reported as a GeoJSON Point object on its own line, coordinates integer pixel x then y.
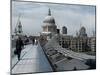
{"type": "Point", "coordinates": [49, 24]}
{"type": "Point", "coordinates": [83, 28]}
{"type": "Point", "coordinates": [49, 19]}
{"type": "Point", "coordinates": [83, 31]}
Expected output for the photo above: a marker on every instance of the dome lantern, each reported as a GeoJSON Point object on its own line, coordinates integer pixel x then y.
{"type": "Point", "coordinates": [49, 19]}
{"type": "Point", "coordinates": [49, 12]}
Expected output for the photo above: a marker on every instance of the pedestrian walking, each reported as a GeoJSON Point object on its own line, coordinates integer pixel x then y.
{"type": "Point", "coordinates": [33, 40]}
{"type": "Point", "coordinates": [19, 45]}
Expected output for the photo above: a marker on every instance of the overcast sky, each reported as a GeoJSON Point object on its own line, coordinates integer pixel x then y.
{"type": "Point", "coordinates": [71, 16]}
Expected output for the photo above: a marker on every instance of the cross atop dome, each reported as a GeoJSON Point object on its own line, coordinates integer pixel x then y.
{"type": "Point", "coordinates": [49, 12]}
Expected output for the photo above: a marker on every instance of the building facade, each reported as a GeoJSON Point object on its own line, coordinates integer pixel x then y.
{"type": "Point", "coordinates": [79, 43]}
{"type": "Point", "coordinates": [64, 30]}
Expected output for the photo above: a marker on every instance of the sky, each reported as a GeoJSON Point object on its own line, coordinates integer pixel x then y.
{"type": "Point", "coordinates": [69, 15]}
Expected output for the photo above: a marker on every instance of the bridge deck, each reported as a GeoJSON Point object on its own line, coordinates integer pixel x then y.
{"type": "Point", "coordinates": [33, 61]}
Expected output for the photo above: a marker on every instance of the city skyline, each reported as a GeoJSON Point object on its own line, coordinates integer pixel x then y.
{"type": "Point", "coordinates": [71, 16]}
{"type": "Point", "coordinates": [51, 37]}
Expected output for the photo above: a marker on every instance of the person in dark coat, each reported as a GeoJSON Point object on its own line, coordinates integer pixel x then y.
{"type": "Point", "coordinates": [19, 45]}
{"type": "Point", "coordinates": [33, 40]}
